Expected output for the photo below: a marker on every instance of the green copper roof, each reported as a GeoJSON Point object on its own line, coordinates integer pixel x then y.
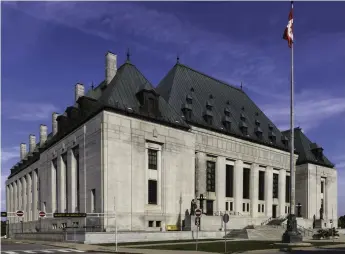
{"type": "Point", "coordinates": [182, 82]}
{"type": "Point", "coordinates": [304, 147]}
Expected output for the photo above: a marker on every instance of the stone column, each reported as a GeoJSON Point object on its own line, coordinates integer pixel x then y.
{"type": "Point", "coordinates": [254, 190]}
{"type": "Point", "coordinates": [53, 179]}
{"type": "Point", "coordinates": [24, 199]}
{"type": "Point", "coordinates": [10, 208]}
{"type": "Point", "coordinates": [200, 174]}
{"type": "Point", "coordinates": [29, 196]}
{"type": "Point", "coordinates": [72, 181]}
{"type": "Point", "coordinates": [15, 195]}
{"type": "Point", "coordinates": [34, 195]}
{"type": "Point", "coordinates": [268, 191]}
{"type": "Point", "coordinates": [238, 190]}
{"type": "Point", "coordinates": [8, 197]}
{"type": "Point", "coordinates": [220, 183]}
{"type": "Point", "coordinates": [281, 191]}
{"type": "Point", "coordinates": [20, 194]}
{"type": "Point", "coordinates": [327, 214]}
{"type": "Point", "coordinates": [61, 182]}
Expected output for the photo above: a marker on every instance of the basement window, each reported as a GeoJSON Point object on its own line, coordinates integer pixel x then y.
{"type": "Point", "coordinates": [158, 224]}
{"type": "Point", "coordinates": [151, 224]}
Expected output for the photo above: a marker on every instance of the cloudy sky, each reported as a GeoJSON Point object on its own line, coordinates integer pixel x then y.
{"type": "Point", "coordinates": [47, 47]}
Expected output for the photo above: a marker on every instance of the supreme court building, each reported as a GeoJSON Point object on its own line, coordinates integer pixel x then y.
{"type": "Point", "coordinates": [146, 153]}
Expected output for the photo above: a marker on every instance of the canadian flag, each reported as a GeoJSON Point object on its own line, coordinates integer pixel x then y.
{"type": "Point", "coordinates": [288, 32]}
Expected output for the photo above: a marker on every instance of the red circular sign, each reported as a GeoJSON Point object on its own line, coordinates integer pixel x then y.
{"type": "Point", "coordinates": [42, 214]}
{"type": "Point", "coordinates": [198, 212]}
{"type": "Point", "coordinates": [20, 213]}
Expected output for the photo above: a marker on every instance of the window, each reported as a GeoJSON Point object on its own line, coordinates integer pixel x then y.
{"type": "Point", "coordinates": [55, 178]}
{"type": "Point", "coordinates": [211, 176]}
{"type": "Point", "coordinates": [151, 105]}
{"type": "Point", "coordinates": [152, 191]}
{"type": "Point", "coordinates": [229, 176]}
{"type": "Point", "coordinates": [150, 223]}
{"type": "Point", "coordinates": [285, 209]}
{"type": "Point", "coordinates": [287, 189]}
{"type": "Point", "coordinates": [247, 207]}
{"type": "Point", "coordinates": [261, 185]}
{"type": "Point", "coordinates": [227, 125]}
{"type": "Point", "coordinates": [322, 183]}
{"type": "Point", "coordinates": [244, 130]}
{"type": "Point", "coordinates": [187, 114]}
{"type": "Point", "coordinates": [152, 159]}
{"type": "Point", "coordinates": [259, 206]}
{"type": "Point", "coordinates": [231, 206]}
{"type": "Point", "coordinates": [275, 185]}
{"type": "Point", "coordinates": [226, 206]}
{"type": "Point", "coordinates": [93, 200]}
{"type": "Point", "coordinates": [246, 183]}
{"type": "Point", "coordinates": [158, 224]}
{"type": "Point", "coordinates": [243, 207]}
{"type": "Point", "coordinates": [208, 119]}
{"type": "Point", "coordinates": [262, 208]}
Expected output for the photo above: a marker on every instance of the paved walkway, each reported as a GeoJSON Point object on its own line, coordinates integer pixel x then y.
{"type": "Point", "coordinates": [136, 249]}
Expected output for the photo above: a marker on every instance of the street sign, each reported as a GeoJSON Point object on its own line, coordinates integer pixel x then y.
{"type": "Point", "coordinates": [42, 214]}
{"type": "Point", "coordinates": [3, 214]}
{"type": "Point", "coordinates": [226, 218]}
{"type": "Point", "coordinates": [197, 221]}
{"type": "Point", "coordinates": [70, 215]}
{"type": "Point", "coordinates": [198, 212]}
{"type": "Point", "coordinates": [20, 213]}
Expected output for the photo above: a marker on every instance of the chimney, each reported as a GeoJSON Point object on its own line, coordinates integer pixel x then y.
{"type": "Point", "coordinates": [54, 123]}
{"type": "Point", "coordinates": [32, 143]}
{"type": "Point", "coordinates": [22, 151]}
{"type": "Point", "coordinates": [110, 66]}
{"type": "Point", "coordinates": [43, 134]}
{"type": "Point", "coordinates": [79, 91]}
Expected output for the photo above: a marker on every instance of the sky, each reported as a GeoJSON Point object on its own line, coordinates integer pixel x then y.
{"type": "Point", "coordinates": [47, 47]}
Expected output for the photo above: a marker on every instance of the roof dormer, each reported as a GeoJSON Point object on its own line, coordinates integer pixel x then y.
{"type": "Point", "coordinates": [149, 102]}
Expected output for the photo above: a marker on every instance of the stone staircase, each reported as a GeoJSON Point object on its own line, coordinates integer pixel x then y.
{"type": "Point", "coordinates": [237, 234]}
{"type": "Point", "coordinates": [266, 232]}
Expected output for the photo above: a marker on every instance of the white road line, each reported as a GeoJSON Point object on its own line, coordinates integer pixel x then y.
{"type": "Point", "coordinates": [10, 252]}
{"type": "Point", "coordinates": [76, 250]}
{"type": "Point", "coordinates": [64, 250]}
{"type": "Point", "coordinates": [46, 251]}
{"type": "Point", "coordinates": [29, 251]}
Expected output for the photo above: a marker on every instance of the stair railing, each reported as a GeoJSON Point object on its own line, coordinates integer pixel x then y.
{"type": "Point", "coordinates": [266, 221]}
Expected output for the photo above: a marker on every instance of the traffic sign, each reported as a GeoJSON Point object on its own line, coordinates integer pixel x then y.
{"type": "Point", "coordinates": [42, 214]}
{"type": "Point", "coordinates": [20, 213]}
{"type": "Point", "coordinates": [197, 221]}
{"type": "Point", "coordinates": [3, 214]}
{"type": "Point", "coordinates": [198, 212]}
{"type": "Point", "coordinates": [226, 218]}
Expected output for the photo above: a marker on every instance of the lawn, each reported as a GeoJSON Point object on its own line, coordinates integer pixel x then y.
{"type": "Point", "coordinates": [232, 246]}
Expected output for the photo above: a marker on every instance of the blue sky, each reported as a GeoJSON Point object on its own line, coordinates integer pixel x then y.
{"type": "Point", "coordinates": [47, 47]}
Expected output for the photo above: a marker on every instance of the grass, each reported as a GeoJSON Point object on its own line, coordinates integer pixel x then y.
{"type": "Point", "coordinates": [233, 246]}
{"type": "Point", "coordinates": [156, 242]}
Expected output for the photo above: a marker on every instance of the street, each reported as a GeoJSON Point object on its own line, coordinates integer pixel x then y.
{"type": "Point", "coordinates": [16, 247]}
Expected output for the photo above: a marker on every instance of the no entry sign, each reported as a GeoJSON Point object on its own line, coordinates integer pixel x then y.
{"type": "Point", "coordinates": [42, 214]}
{"type": "Point", "coordinates": [198, 212]}
{"type": "Point", "coordinates": [20, 213]}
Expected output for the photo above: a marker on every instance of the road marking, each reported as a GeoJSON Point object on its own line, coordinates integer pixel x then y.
{"type": "Point", "coordinates": [10, 252]}
{"type": "Point", "coordinates": [29, 251]}
{"type": "Point", "coordinates": [64, 250]}
{"type": "Point", "coordinates": [46, 251]}
{"type": "Point", "coordinates": [77, 250]}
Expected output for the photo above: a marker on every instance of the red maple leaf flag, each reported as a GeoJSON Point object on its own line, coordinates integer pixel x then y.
{"type": "Point", "coordinates": [288, 32]}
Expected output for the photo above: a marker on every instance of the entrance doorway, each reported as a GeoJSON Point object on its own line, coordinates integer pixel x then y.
{"type": "Point", "coordinates": [209, 207]}
{"type": "Point", "coordinates": [274, 211]}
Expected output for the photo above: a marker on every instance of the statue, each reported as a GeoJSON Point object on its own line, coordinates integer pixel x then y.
{"type": "Point", "coordinates": [299, 206]}
{"type": "Point", "coordinates": [193, 206]}
{"type": "Point", "coordinates": [321, 212]}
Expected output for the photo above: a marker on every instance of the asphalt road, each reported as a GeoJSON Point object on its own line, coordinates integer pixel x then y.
{"type": "Point", "coordinates": [8, 247]}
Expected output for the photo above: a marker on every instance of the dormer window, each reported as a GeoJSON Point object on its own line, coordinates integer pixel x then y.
{"type": "Point", "coordinates": [243, 118]}
{"type": "Point", "coordinates": [149, 101]}
{"type": "Point", "coordinates": [270, 127]}
{"type": "Point", "coordinates": [257, 122]}
{"type": "Point", "coordinates": [208, 116]}
{"type": "Point", "coordinates": [189, 99]}
{"type": "Point", "coordinates": [272, 136]}
{"type": "Point", "coordinates": [209, 105]}
{"type": "Point", "coordinates": [258, 132]}
{"type": "Point", "coordinates": [244, 128]}
{"type": "Point", "coordinates": [317, 151]}
{"type": "Point", "coordinates": [285, 141]}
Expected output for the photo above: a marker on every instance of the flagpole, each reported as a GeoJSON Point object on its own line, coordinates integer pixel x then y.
{"type": "Point", "coordinates": [292, 146]}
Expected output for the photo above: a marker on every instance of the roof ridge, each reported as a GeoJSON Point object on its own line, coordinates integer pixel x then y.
{"type": "Point", "coordinates": [206, 75]}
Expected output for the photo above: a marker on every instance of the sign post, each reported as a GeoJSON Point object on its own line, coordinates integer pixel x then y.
{"type": "Point", "coordinates": [198, 213]}
{"type": "Point", "coordinates": [225, 220]}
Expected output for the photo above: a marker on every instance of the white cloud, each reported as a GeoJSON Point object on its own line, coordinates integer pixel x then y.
{"type": "Point", "coordinates": [28, 111]}
{"type": "Point", "coordinates": [8, 154]}
{"type": "Point", "coordinates": [307, 103]}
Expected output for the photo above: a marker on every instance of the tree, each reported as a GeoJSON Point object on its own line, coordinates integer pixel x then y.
{"type": "Point", "coordinates": [341, 221]}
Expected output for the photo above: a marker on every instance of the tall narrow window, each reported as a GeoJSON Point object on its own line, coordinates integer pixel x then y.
{"type": "Point", "coordinates": [261, 185]}
{"type": "Point", "coordinates": [226, 206]}
{"type": "Point", "coordinates": [64, 167]}
{"type": "Point", "coordinates": [246, 183]}
{"type": "Point", "coordinates": [93, 200]}
{"type": "Point", "coordinates": [275, 185]}
{"type": "Point", "coordinates": [76, 157]}
{"type": "Point", "coordinates": [229, 176]}
{"type": "Point", "coordinates": [211, 176]}
{"type": "Point", "coordinates": [322, 183]}
{"type": "Point", "coordinates": [152, 191]}
{"type": "Point", "coordinates": [152, 154]}
{"type": "Point", "coordinates": [287, 189]}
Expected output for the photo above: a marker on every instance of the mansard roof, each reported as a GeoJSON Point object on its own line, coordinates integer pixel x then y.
{"type": "Point", "coordinates": [221, 101]}
{"type": "Point", "coordinates": [306, 149]}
